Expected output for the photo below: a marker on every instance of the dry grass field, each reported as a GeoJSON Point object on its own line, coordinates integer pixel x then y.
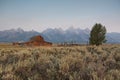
{"type": "Point", "coordinates": [60, 63]}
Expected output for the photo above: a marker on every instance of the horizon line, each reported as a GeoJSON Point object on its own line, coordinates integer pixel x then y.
{"type": "Point", "coordinates": [53, 29]}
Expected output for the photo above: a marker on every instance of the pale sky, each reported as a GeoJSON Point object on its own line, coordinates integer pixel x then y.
{"type": "Point", "coordinates": [42, 14]}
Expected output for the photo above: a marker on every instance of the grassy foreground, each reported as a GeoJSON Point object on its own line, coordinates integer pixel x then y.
{"type": "Point", "coordinates": [60, 63]}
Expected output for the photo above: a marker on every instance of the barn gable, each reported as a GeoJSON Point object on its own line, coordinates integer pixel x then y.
{"type": "Point", "coordinates": [35, 41]}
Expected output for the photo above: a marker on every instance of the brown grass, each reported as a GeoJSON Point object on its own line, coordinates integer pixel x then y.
{"type": "Point", "coordinates": [60, 63]}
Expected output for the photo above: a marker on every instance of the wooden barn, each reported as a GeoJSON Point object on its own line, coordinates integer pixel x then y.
{"type": "Point", "coordinates": [35, 41]}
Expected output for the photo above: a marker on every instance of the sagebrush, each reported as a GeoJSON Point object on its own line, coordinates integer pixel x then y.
{"type": "Point", "coordinates": [60, 63]}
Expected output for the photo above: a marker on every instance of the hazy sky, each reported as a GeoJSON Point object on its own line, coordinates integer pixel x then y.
{"type": "Point", "coordinates": [42, 14]}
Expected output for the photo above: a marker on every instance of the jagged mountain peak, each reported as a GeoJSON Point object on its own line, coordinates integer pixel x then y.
{"type": "Point", "coordinates": [14, 30]}
{"type": "Point", "coordinates": [55, 35]}
{"type": "Point", "coordinates": [19, 30]}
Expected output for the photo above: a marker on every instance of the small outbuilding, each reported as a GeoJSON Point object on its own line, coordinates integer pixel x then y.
{"type": "Point", "coordinates": [35, 41]}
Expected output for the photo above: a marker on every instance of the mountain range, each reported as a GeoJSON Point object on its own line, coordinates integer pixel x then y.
{"type": "Point", "coordinates": [56, 35]}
